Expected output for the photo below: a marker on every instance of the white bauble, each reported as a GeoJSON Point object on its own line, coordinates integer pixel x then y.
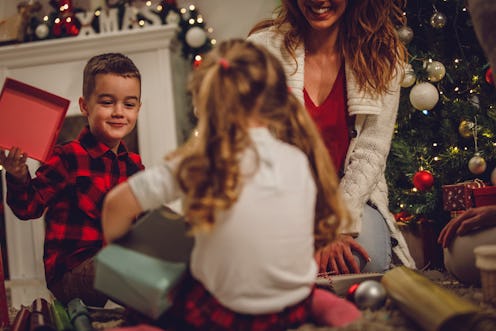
{"type": "Point", "coordinates": [42, 31]}
{"type": "Point", "coordinates": [436, 71]}
{"type": "Point", "coordinates": [409, 77]}
{"type": "Point", "coordinates": [424, 96]}
{"type": "Point", "coordinates": [196, 37]}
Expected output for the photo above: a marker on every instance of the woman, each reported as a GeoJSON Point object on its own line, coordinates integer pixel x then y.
{"type": "Point", "coordinates": [342, 59]}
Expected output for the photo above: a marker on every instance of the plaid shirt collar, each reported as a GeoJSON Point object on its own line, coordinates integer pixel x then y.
{"type": "Point", "coordinates": [95, 147]}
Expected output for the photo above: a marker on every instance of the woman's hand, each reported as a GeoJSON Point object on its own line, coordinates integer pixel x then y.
{"type": "Point", "coordinates": [15, 163]}
{"type": "Point", "coordinates": [471, 220]}
{"type": "Point", "coordinates": [337, 257]}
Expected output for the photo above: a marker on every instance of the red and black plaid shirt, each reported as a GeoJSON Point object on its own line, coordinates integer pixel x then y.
{"type": "Point", "coordinates": [69, 188]}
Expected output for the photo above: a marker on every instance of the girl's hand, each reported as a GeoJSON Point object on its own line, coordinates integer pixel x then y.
{"type": "Point", "coordinates": [337, 256]}
{"type": "Point", "coordinates": [15, 163]}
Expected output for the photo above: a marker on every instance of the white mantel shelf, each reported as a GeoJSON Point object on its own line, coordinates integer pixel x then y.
{"type": "Point", "coordinates": [52, 51]}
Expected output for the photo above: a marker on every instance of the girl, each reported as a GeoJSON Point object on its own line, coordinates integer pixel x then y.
{"type": "Point", "coordinates": [259, 191]}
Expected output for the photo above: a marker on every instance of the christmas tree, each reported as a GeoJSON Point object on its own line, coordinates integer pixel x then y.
{"type": "Point", "coordinates": [446, 123]}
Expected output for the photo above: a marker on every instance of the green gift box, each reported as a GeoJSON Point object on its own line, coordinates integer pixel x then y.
{"type": "Point", "coordinates": [141, 269]}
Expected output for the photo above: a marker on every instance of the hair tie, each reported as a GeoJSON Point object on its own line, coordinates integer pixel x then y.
{"type": "Point", "coordinates": [224, 63]}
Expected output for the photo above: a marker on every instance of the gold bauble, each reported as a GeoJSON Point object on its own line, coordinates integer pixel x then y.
{"type": "Point", "coordinates": [466, 129]}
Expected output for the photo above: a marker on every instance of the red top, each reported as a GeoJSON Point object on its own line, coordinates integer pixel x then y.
{"type": "Point", "coordinates": [69, 189]}
{"type": "Point", "coordinates": [332, 120]}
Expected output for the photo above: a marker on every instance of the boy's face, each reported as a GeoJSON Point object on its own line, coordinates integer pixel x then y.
{"type": "Point", "coordinates": [112, 109]}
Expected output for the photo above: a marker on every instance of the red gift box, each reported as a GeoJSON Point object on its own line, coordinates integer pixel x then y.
{"type": "Point", "coordinates": [459, 196]}
{"type": "Point", "coordinates": [484, 196]}
{"type": "Point", "coordinates": [30, 118]}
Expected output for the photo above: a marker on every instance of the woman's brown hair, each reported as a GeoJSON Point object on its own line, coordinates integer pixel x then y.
{"type": "Point", "coordinates": [367, 38]}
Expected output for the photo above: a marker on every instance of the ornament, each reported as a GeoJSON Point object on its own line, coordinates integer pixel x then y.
{"type": "Point", "coordinates": [438, 20]}
{"type": "Point", "coordinates": [409, 77]}
{"type": "Point", "coordinates": [42, 31]}
{"type": "Point", "coordinates": [491, 112]}
{"type": "Point", "coordinates": [477, 164]}
{"type": "Point", "coordinates": [196, 37]}
{"type": "Point", "coordinates": [405, 33]}
{"type": "Point", "coordinates": [369, 294]}
{"type": "Point", "coordinates": [172, 17]}
{"type": "Point", "coordinates": [423, 180]}
{"type": "Point", "coordinates": [489, 76]}
{"type": "Point", "coordinates": [424, 96]}
{"type": "Point", "coordinates": [198, 60]}
{"type": "Point", "coordinates": [435, 71]}
{"type": "Point", "coordinates": [493, 177]}
{"type": "Point", "coordinates": [466, 129]}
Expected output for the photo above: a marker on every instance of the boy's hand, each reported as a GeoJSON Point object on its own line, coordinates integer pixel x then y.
{"type": "Point", "coordinates": [15, 163]}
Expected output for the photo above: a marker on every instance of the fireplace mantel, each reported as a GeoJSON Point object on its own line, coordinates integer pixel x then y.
{"type": "Point", "coordinates": [56, 65]}
{"type": "Point", "coordinates": [82, 47]}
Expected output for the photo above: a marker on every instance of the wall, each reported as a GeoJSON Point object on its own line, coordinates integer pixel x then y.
{"type": "Point", "coordinates": [228, 18]}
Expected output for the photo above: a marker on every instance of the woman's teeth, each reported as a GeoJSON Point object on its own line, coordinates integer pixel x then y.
{"type": "Point", "coordinates": [319, 10]}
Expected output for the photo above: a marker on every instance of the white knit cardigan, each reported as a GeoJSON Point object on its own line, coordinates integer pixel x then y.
{"type": "Point", "coordinates": [365, 161]}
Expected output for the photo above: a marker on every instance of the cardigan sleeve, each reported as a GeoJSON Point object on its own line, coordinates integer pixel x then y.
{"type": "Point", "coordinates": [367, 157]}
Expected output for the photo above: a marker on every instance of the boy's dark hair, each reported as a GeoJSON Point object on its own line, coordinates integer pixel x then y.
{"type": "Point", "coordinates": [108, 63]}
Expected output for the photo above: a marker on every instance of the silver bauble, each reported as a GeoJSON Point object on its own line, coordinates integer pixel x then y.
{"type": "Point", "coordinates": [405, 33]}
{"type": "Point", "coordinates": [438, 20]}
{"type": "Point", "coordinates": [370, 294]}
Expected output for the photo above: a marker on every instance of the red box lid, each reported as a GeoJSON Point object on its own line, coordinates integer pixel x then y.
{"type": "Point", "coordinates": [30, 118]}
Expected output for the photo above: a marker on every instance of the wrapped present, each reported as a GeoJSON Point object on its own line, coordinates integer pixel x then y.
{"type": "Point", "coordinates": [421, 239]}
{"type": "Point", "coordinates": [484, 196]}
{"type": "Point", "coordinates": [459, 196]}
{"type": "Point", "coordinates": [142, 269]}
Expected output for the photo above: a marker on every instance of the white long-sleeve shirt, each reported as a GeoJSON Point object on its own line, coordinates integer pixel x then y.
{"type": "Point", "coordinates": [259, 256]}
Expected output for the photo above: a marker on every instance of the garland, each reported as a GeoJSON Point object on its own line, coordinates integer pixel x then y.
{"type": "Point", "coordinates": [122, 15]}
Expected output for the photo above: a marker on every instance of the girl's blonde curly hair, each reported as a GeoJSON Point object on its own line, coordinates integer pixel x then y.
{"type": "Point", "coordinates": [238, 83]}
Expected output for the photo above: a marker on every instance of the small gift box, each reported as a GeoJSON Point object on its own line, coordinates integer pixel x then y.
{"type": "Point", "coordinates": [484, 196]}
{"type": "Point", "coordinates": [459, 196]}
{"type": "Point", "coordinates": [142, 269]}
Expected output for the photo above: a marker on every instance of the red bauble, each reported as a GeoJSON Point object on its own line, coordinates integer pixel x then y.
{"type": "Point", "coordinates": [350, 294]}
{"type": "Point", "coordinates": [423, 180]}
{"type": "Point", "coordinates": [489, 76]}
{"type": "Point", "coordinates": [197, 62]}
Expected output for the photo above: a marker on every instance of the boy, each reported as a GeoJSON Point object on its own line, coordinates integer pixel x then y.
{"type": "Point", "coordinates": [69, 188]}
